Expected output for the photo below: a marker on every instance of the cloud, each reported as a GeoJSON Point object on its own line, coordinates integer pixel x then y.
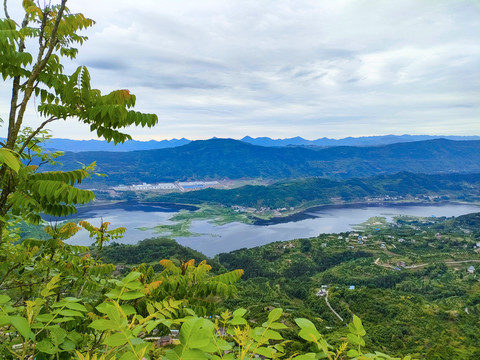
{"type": "Point", "coordinates": [282, 68]}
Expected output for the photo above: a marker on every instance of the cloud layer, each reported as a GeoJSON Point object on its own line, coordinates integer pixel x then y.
{"type": "Point", "coordinates": [285, 68]}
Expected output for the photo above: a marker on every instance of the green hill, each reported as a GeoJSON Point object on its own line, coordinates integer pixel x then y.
{"type": "Point", "coordinates": [324, 191]}
{"type": "Point", "coordinates": [223, 158]}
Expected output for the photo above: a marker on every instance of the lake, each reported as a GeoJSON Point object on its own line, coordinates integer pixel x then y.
{"type": "Point", "coordinates": [215, 239]}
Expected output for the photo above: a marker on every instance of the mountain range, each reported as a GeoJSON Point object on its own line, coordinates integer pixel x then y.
{"type": "Point", "coordinates": [132, 145]}
{"type": "Point", "coordinates": [233, 159]}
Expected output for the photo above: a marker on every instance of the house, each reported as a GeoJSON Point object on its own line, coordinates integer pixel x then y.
{"type": "Point", "coordinates": [383, 246]}
{"type": "Point", "coordinates": [164, 341]}
{"type": "Point", "coordinates": [471, 270]}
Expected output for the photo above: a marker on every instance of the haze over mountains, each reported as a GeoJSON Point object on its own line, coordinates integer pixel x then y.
{"type": "Point", "coordinates": [233, 159]}
{"type": "Point", "coordinates": [98, 145]}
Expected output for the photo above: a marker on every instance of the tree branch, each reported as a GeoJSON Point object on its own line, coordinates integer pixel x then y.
{"type": "Point", "coordinates": [5, 9]}
{"type": "Point", "coordinates": [15, 90]}
{"type": "Point", "coordinates": [33, 134]}
{"type": "Point", "coordinates": [36, 71]}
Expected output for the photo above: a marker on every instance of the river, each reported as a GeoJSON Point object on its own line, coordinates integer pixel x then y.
{"type": "Point", "coordinates": [215, 239]}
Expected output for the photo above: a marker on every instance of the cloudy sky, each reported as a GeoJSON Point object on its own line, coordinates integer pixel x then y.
{"type": "Point", "coordinates": [278, 68]}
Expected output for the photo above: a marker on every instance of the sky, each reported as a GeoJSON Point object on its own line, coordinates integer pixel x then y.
{"type": "Point", "coordinates": [278, 68]}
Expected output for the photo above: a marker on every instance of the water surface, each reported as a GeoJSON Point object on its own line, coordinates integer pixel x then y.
{"type": "Point", "coordinates": [215, 239]}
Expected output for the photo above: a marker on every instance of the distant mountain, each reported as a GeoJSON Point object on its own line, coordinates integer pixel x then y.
{"type": "Point", "coordinates": [233, 159]}
{"type": "Point", "coordinates": [133, 145]}
{"type": "Point", "coordinates": [316, 191]}
{"type": "Point", "coordinates": [351, 141]}
{"type": "Point", "coordinates": [99, 145]}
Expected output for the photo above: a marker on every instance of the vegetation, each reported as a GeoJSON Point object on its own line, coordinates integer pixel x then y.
{"type": "Point", "coordinates": [59, 301]}
{"type": "Point", "coordinates": [216, 215]}
{"type": "Point", "coordinates": [232, 159]}
{"type": "Point", "coordinates": [407, 281]}
{"type": "Point", "coordinates": [149, 251]}
{"type": "Point", "coordinates": [31, 52]}
{"type": "Point", "coordinates": [317, 191]}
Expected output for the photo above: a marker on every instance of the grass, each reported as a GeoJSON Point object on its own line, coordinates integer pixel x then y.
{"type": "Point", "coordinates": [183, 221]}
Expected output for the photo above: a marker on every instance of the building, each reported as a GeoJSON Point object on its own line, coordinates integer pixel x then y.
{"type": "Point", "coordinates": [471, 270]}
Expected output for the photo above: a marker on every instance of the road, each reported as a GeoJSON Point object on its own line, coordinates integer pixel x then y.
{"type": "Point", "coordinates": [331, 309]}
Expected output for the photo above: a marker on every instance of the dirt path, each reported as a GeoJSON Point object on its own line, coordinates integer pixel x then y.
{"type": "Point", "coordinates": [331, 309]}
{"type": "Point", "coordinates": [447, 262]}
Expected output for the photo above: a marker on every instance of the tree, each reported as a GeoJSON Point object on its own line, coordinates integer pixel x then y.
{"type": "Point", "coordinates": [36, 72]}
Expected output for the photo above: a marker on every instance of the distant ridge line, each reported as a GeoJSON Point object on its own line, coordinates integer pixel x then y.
{"type": "Point", "coordinates": [135, 145]}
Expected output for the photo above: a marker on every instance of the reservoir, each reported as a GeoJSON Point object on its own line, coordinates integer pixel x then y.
{"type": "Point", "coordinates": [213, 239]}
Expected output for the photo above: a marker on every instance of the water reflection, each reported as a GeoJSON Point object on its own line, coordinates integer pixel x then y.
{"type": "Point", "coordinates": [216, 239]}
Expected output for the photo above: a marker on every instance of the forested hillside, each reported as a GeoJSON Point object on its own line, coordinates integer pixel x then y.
{"type": "Point", "coordinates": [324, 191]}
{"type": "Point", "coordinates": [221, 158]}
{"type": "Point", "coordinates": [410, 284]}
{"type": "Point", "coordinates": [133, 145]}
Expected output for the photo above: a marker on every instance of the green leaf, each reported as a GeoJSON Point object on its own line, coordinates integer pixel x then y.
{"type": "Point", "coordinates": [67, 312]}
{"type": "Point", "coordinates": [192, 334]}
{"type": "Point", "coordinates": [352, 339]}
{"type": "Point", "coordinates": [103, 307]}
{"type": "Point", "coordinates": [47, 347]}
{"type": "Point", "coordinates": [358, 325]}
{"type": "Point", "coordinates": [238, 321]}
{"type": "Point", "coordinates": [128, 356]}
{"type": "Point", "coordinates": [22, 326]}
{"type": "Point", "coordinates": [115, 340]}
{"type": "Point", "coordinates": [4, 320]}
{"type": "Point", "coordinates": [77, 307]}
{"type": "Point", "coordinates": [272, 335]}
{"type": "Point", "coordinates": [352, 353]}
{"type": "Point", "coordinates": [8, 158]}
{"type": "Point", "coordinates": [58, 335]}
{"type": "Point", "coordinates": [150, 309]}
{"type": "Point", "coordinates": [134, 275]}
{"type": "Point", "coordinates": [128, 310]}
{"type": "Point", "coordinates": [304, 323]}
{"type": "Point", "coordinates": [307, 356]}
{"type": "Point", "coordinates": [103, 324]}
{"type": "Point", "coordinates": [239, 312]}
{"type": "Point", "coordinates": [275, 314]}
{"type": "Point", "coordinates": [68, 345]}
{"type": "Point", "coordinates": [310, 334]}
{"type": "Point", "coordinates": [4, 299]}
{"type": "Point", "coordinates": [193, 354]}
{"type": "Point", "coordinates": [275, 325]}
{"type": "Point", "coordinates": [131, 295]}
{"type": "Point", "coordinates": [264, 351]}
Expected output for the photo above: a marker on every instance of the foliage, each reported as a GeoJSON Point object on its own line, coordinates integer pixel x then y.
{"type": "Point", "coordinates": [318, 191]}
{"type": "Point", "coordinates": [224, 158]}
{"type": "Point", "coordinates": [31, 56]}
{"type": "Point", "coordinates": [57, 302]}
{"type": "Point", "coordinates": [75, 308]}
{"type": "Point", "coordinates": [149, 251]}
{"type": "Point", "coordinates": [406, 310]}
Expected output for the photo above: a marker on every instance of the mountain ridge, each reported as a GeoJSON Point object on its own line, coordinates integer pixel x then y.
{"type": "Point", "coordinates": [234, 159]}
{"type": "Point", "coordinates": [133, 145]}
